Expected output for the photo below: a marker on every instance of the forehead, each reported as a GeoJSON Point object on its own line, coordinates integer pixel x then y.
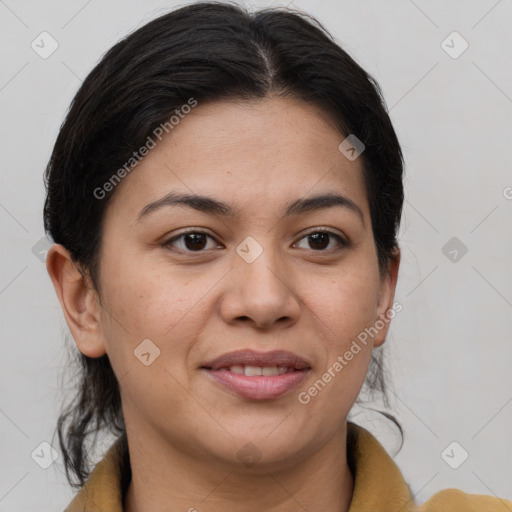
{"type": "Point", "coordinates": [257, 155]}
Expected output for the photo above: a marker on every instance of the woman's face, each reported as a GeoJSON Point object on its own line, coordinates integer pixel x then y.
{"type": "Point", "coordinates": [250, 279]}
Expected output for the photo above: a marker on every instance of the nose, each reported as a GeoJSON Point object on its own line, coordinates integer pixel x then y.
{"type": "Point", "coordinates": [261, 293]}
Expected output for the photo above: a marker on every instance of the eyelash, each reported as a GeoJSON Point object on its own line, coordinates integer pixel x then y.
{"type": "Point", "coordinates": [341, 241]}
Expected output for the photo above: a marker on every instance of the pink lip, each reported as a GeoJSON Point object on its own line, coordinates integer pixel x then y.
{"type": "Point", "coordinates": [258, 387]}
{"type": "Point", "coordinates": [261, 387]}
{"type": "Point", "coordinates": [253, 358]}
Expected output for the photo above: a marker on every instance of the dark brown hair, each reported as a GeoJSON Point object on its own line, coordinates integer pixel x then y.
{"type": "Point", "coordinates": [208, 51]}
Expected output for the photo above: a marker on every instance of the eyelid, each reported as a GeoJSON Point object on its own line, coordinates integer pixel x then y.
{"type": "Point", "coordinates": [199, 231]}
{"type": "Point", "coordinates": [343, 242]}
{"type": "Point", "coordinates": [324, 230]}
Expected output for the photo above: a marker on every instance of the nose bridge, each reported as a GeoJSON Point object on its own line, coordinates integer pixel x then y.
{"type": "Point", "coordinates": [260, 289]}
{"type": "Point", "coordinates": [259, 265]}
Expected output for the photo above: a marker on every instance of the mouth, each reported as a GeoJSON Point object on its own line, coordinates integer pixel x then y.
{"type": "Point", "coordinates": [258, 375]}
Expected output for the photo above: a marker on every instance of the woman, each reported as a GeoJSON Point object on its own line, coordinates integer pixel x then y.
{"type": "Point", "coordinates": [224, 198]}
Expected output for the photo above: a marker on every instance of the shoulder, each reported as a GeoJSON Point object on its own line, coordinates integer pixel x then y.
{"type": "Point", "coordinates": [453, 500]}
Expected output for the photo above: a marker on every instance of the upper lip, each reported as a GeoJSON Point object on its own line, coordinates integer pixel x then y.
{"type": "Point", "coordinates": [262, 359]}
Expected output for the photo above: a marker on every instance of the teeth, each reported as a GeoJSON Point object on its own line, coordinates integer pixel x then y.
{"type": "Point", "coordinates": [253, 371]}
{"type": "Point", "coordinates": [258, 371]}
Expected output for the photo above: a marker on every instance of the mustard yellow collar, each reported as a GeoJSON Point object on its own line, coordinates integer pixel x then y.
{"type": "Point", "coordinates": [378, 484]}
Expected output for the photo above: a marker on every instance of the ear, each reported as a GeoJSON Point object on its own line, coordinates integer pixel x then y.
{"type": "Point", "coordinates": [385, 308]}
{"type": "Point", "coordinates": [79, 301]}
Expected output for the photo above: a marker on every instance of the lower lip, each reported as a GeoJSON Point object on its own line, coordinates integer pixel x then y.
{"type": "Point", "coordinates": [259, 387]}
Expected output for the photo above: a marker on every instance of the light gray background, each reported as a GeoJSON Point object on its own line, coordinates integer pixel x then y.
{"type": "Point", "coordinates": [449, 351]}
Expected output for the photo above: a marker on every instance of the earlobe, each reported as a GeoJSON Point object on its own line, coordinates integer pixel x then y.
{"type": "Point", "coordinates": [385, 310]}
{"type": "Point", "coordinates": [78, 301]}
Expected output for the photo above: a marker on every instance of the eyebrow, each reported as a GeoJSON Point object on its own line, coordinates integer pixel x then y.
{"type": "Point", "coordinates": [210, 205]}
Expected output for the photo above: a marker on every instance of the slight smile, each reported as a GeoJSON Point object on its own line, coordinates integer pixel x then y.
{"type": "Point", "coordinates": [258, 375]}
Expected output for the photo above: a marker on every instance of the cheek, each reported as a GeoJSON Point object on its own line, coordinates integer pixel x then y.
{"type": "Point", "coordinates": [342, 312]}
{"type": "Point", "coordinates": [147, 300]}
{"type": "Point", "coordinates": [344, 305]}
{"type": "Point", "coordinates": [152, 321]}
{"type": "Point", "coordinates": [160, 304]}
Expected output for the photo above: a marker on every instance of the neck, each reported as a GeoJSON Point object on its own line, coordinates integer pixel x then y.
{"type": "Point", "coordinates": [167, 480]}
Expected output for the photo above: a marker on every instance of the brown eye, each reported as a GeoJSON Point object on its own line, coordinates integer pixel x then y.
{"type": "Point", "coordinates": [191, 241]}
{"type": "Point", "coordinates": [319, 240]}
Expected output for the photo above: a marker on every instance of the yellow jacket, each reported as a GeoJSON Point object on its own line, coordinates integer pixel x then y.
{"type": "Point", "coordinates": [378, 485]}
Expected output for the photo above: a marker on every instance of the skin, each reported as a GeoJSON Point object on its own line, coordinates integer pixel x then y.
{"type": "Point", "coordinates": [184, 431]}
